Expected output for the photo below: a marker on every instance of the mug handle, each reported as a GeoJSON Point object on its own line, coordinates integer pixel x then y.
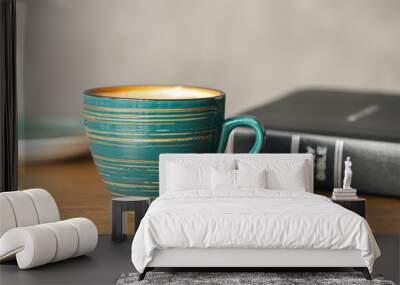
{"type": "Point", "coordinates": [238, 121]}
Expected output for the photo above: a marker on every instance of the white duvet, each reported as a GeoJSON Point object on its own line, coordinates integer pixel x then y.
{"type": "Point", "coordinates": [250, 219]}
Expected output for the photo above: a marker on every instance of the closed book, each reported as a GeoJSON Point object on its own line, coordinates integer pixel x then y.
{"type": "Point", "coordinates": [345, 198]}
{"type": "Point", "coordinates": [376, 164]}
{"type": "Point", "coordinates": [340, 190]}
{"type": "Point", "coordinates": [334, 124]}
{"type": "Point", "coordinates": [340, 113]}
{"type": "Point", "coordinates": [345, 194]}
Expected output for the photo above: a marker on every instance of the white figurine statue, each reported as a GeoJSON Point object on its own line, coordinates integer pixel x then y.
{"type": "Point", "coordinates": [348, 173]}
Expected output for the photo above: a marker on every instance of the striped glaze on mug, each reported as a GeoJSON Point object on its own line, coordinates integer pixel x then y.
{"type": "Point", "coordinates": [128, 127]}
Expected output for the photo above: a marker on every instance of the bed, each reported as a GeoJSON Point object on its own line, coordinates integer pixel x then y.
{"type": "Point", "coordinates": [246, 210]}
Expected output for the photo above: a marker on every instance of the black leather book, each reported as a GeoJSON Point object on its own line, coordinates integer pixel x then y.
{"type": "Point", "coordinates": [372, 116]}
{"type": "Point", "coordinates": [333, 125]}
{"type": "Point", "coordinates": [376, 165]}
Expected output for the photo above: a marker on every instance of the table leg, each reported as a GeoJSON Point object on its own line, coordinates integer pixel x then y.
{"type": "Point", "coordinates": [117, 219]}
{"type": "Point", "coordinates": [140, 211]}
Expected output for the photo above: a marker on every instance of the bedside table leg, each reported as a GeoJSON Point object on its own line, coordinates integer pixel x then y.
{"type": "Point", "coordinates": [117, 220]}
{"type": "Point", "coordinates": [140, 211]}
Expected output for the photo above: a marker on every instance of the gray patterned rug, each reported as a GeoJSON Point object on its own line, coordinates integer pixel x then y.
{"type": "Point", "coordinates": [230, 278]}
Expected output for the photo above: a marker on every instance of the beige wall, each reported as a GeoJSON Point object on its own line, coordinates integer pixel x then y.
{"type": "Point", "coordinates": [253, 50]}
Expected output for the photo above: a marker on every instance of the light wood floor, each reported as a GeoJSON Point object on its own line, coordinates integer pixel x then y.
{"type": "Point", "coordinates": [79, 192]}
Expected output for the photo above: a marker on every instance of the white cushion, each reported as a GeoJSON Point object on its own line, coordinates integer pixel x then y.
{"type": "Point", "coordinates": [27, 235]}
{"type": "Point", "coordinates": [223, 179]}
{"type": "Point", "coordinates": [23, 208]}
{"type": "Point", "coordinates": [46, 207]}
{"type": "Point", "coordinates": [292, 179]}
{"type": "Point", "coordinates": [41, 244]}
{"type": "Point", "coordinates": [230, 180]}
{"type": "Point", "coordinates": [251, 178]}
{"type": "Point", "coordinates": [32, 246]}
{"type": "Point", "coordinates": [87, 233]}
{"type": "Point", "coordinates": [183, 175]}
{"type": "Point", "coordinates": [28, 208]}
{"type": "Point", "coordinates": [7, 218]}
{"type": "Point", "coordinates": [256, 162]}
{"type": "Point", "coordinates": [66, 237]}
{"type": "Point", "coordinates": [281, 174]}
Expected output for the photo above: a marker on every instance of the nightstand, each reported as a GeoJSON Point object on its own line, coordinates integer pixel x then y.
{"type": "Point", "coordinates": [120, 207]}
{"type": "Point", "coordinates": [358, 205]}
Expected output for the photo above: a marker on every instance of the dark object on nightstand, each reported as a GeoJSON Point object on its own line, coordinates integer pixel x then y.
{"type": "Point", "coordinates": [358, 205]}
{"type": "Point", "coordinates": [120, 206]}
{"type": "Point", "coordinates": [359, 124]}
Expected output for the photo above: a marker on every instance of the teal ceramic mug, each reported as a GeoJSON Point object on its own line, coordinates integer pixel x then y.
{"type": "Point", "coordinates": [128, 127]}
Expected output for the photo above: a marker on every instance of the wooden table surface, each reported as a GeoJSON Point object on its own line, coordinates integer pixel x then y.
{"type": "Point", "coordinates": [79, 192]}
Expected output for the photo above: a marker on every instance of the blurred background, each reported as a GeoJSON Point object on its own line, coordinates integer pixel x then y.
{"type": "Point", "coordinates": [253, 50]}
{"type": "Point", "coordinates": [256, 51]}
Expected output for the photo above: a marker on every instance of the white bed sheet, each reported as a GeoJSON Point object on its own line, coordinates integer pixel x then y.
{"type": "Point", "coordinates": [253, 218]}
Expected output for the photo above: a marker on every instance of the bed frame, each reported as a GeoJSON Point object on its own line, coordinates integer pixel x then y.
{"type": "Point", "coordinates": [243, 259]}
{"type": "Point", "coordinates": [251, 258]}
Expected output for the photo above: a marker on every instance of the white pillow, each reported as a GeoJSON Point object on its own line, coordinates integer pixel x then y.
{"type": "Point", "coordinates": [281, 175]}
{"type": "Point", "coordinates": [251, 178]}
{"type": "Point", "coordinates": [292, 179]}
{"type": "Point", "coordinates": [225, 179]}
{"type": "Point", "coordinates": [184, 176]}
